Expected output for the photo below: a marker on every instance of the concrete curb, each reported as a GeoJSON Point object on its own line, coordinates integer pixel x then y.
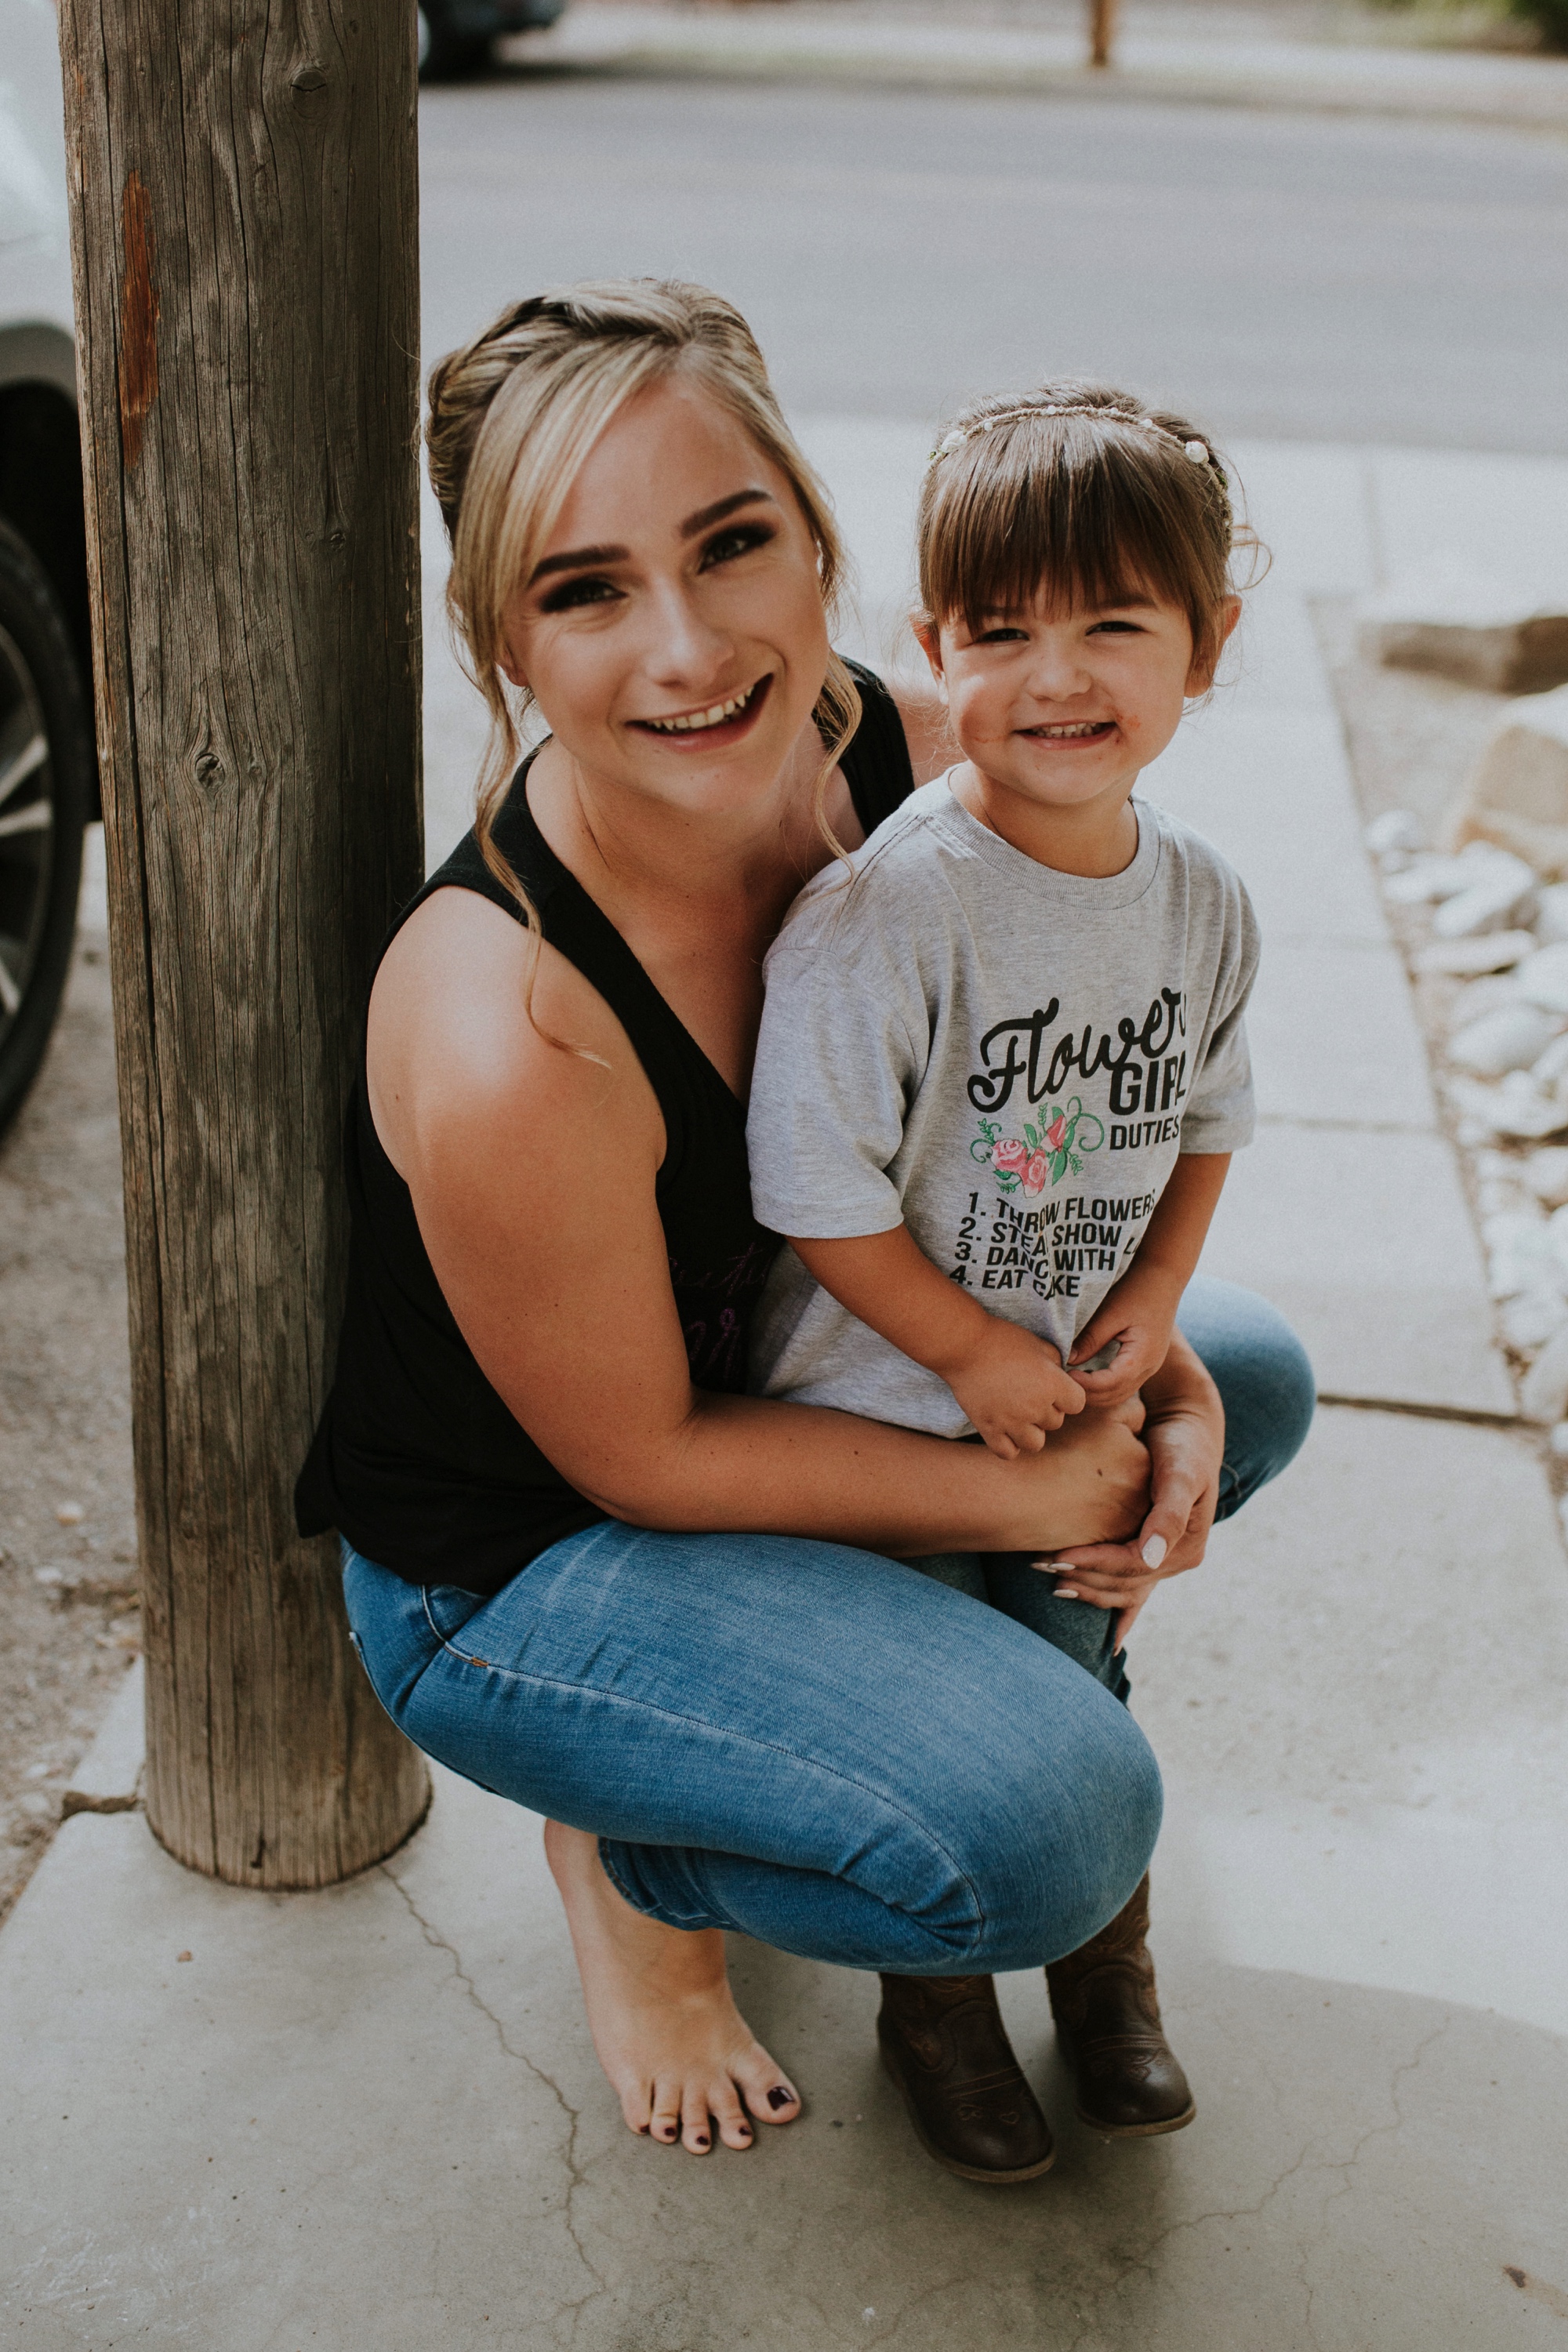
{"type": "Point", "coordinates": [109, 1778]}
{"type": "Point", "coordinates": [647, 42]}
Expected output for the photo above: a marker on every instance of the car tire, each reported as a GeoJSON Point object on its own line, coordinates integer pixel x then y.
{"type": "Point", "coordinates": [46, 794]}
{"type": "Point", "coordinates": [446, 56]}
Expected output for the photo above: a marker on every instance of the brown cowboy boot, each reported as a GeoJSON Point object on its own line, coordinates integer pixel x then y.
{"type": "Point", "coordinates": [1129, 2080]}
{"type": "Point", "coordinates": [944, 2045]}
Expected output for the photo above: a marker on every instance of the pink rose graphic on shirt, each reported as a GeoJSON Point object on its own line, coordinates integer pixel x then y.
{"type": "Point", "coordinates": [1044, 1154]}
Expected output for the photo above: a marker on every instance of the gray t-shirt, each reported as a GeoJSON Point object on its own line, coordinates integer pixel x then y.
{"type": "Point", "coordinates": [1006, 1059]}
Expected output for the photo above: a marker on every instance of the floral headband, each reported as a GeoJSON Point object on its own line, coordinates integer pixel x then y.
{"type": "Point", "coordinates": [1198, 451]}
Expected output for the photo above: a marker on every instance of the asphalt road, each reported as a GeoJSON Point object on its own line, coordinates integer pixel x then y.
{"type": "Point", "coordinates": [1306, 277]}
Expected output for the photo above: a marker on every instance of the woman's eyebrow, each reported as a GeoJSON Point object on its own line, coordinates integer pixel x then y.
{"type": "Point", "coordinates": [722, 507]}
{"type": "Point", "coordinates": [578, 559]}
{"type": "Point", "coordinates": [582, 558]}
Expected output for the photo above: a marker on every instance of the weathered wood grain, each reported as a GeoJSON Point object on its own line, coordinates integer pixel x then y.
{"type": "Point", "coordinates": [244, 201]}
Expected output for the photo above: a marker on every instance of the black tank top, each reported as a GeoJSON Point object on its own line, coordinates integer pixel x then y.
{"type": "Point", "coordinates": [417, 1461]}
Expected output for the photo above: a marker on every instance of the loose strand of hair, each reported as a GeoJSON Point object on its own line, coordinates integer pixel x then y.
{"type": "Point", "coordinates": [840, 704]}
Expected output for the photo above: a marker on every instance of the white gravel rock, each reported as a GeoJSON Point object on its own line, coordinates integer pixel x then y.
{"type": "Point", "coordinates": [1428, 879]}
{"type": "Point", "coordinates": [1499, 1196]}
{"type": "Point", "coordinates": [1526, 1262]}
{"type": "Point", "coordinates": [1515, 1108]}
{"type": "Point", "coordinates": [1543, 1392]}
{"type": "Point", "coordinates": [1490, 951]}
{"type": "Point", "coordinates": [1546, 1173]}
{"type": "Point", "coordinates": [1481, 996]}
{"type": "Point", "coordinates": [1528, 1321]}
{"type": "Point", "coordinates": [1503, 897]}
{"type": "Point", "coordinates": [1558, 1440]}
{"type": "Point", "coordinates": [1510, 1038]}
{"type": "Point", "coordinates": [1551, 1071]}
{"type": "Point", "coordinates": [1552, 914]}
{"type": "Point", "coordinates": [1521, 1254]}
{"type": "Point", "coordinates": [1506, 1227]}
{"type": "Point", "coordinates": [1542, 979]}
{"type": "Point", "coordinates": [1394, 834]}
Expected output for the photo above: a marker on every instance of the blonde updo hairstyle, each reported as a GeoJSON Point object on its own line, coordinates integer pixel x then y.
{"type": "Point", "coordinates": [513, 416]}
{"type": "Point", "coordinates": [1088, 493]}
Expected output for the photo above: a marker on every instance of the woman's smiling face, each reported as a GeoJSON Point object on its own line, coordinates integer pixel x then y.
{"type": "Point", "coordinates": [673, 630]}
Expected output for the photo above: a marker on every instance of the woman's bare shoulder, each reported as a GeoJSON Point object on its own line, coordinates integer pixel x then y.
{"type": "Point", "coordinates": [455, 1038]}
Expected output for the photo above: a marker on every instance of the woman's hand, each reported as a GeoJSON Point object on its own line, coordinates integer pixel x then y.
{"type": "Point", "coordinates": [1185, 1435]}
{"type": "Point", "coordinates": [1094, 1476]}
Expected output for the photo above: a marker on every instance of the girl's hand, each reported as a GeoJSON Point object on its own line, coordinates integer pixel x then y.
{"type": "Point", "coordinates": [1139, 1315]}
{"type": "Point", "coordinates": [1140, 1311]}
{"type": "Point", "coordinates": [1013, 1388]}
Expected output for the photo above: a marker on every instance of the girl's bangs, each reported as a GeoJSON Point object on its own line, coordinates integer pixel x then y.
{"type": "Point", "coordinates": [1101, 528]}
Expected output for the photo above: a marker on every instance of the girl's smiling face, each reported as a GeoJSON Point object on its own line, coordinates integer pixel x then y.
{"type": "Point", "coordinates": [1065, 708]}
{"type": "Point", "coordinates": [673, 630]}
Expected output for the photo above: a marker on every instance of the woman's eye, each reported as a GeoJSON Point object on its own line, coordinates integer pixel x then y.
{"type": "Point", "coordinates": [739, 539]}
{"type": "Point", "coordinates": [571, 594]}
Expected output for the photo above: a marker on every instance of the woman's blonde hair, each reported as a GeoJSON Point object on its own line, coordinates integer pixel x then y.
{"type": "Point", "coordinates": [1084, 489]}
{"type": "Point", "coordinates": [513, 416]}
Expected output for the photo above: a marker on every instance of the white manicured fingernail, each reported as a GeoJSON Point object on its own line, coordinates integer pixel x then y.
{"type": "Point", "coordinates": [1066, 1592]}
{"type": "Point", "coordinates": [1154, 1552]}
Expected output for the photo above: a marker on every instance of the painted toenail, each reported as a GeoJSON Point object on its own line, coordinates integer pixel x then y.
{"type": "Point", "coordinates": [779, 2097]}
{"type": "Point", "coordinates": [699, 2139]}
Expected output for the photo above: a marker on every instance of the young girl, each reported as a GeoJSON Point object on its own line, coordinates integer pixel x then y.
{"type": "Point", "coordinates": [1001, 1072]}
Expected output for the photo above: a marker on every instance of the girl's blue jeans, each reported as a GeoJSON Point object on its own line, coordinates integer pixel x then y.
{"type": "Point", "coordinates": [818, 1747]}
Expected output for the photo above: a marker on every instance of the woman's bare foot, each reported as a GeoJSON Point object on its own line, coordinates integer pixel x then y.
{"type": "Point", "coordinates": [664, 2022]}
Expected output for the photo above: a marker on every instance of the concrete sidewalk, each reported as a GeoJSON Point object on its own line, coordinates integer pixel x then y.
{"type": "Point", "coordinates": [372, 2116]}
{"type": "Point", "coordinates": [814, 42]}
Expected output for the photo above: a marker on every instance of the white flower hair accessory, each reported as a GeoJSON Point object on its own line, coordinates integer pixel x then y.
{"type": "Point", "coordinates": [1196, 450]}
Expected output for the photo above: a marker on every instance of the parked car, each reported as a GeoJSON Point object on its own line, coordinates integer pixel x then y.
{"type": "Point", "coordinates": [48, 781]}
{"type": "Point", "coordinates": [456, 36]}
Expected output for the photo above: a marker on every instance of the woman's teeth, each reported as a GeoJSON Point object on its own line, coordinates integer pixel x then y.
{"type": "Point", "coordinates": [715, 716]}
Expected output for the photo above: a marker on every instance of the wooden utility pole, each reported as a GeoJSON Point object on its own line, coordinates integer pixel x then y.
{"type": "Point", "coordinates": [1102, 31]}
{"type": "Point", "coordinates": [244, 200]}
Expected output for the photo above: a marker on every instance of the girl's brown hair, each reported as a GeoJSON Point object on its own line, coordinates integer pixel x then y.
{"type": "Point", "coordinates": [514, 414]}
{"type": "Point", "coordinates": [1085, 490]}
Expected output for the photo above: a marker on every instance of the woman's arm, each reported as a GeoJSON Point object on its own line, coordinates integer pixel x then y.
{"type": "Point", "coordinates": [531, 1171]}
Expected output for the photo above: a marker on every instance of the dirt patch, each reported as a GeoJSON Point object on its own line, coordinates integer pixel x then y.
{"type": "Point", "coordinates": [69, 1624]}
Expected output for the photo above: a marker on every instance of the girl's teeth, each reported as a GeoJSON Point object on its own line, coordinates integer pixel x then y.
{"type": "Point", "coordinates": [709, 717]}
{"type": "Point", "coordinates": [1082, 727]}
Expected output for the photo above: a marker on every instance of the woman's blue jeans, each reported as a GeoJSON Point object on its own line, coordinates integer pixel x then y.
{"type": "Point", "coordinates": [811, 1744]}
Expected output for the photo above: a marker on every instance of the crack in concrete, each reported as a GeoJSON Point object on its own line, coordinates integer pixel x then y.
{"type": "Point", "coordinates": [939, 2286]}
{"type": "Point", "coordinates": [1347, 2165]}
{"type": "Point", "coordinates": [576, 2177]}
{"type": "Point", "coordinates": [1092, 2336]}
{"type": "Point", "coordinates": [1309, 2155]}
